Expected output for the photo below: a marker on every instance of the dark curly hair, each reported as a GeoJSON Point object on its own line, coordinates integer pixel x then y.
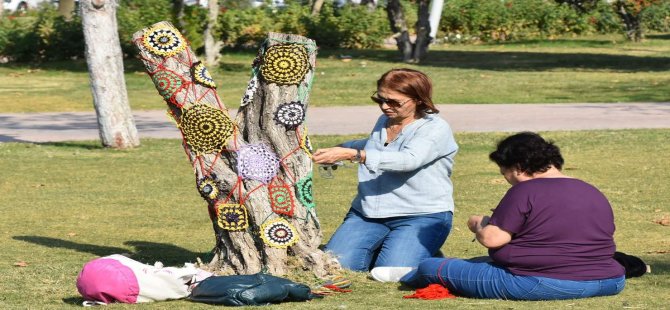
{"type": "Point", "coordinates": [528, 152]}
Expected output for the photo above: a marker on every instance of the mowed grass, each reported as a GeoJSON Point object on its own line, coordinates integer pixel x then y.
{"type": "Point", "coordinates": [589, 69]}
{"type": "Point", "coordinates": [63, 204]}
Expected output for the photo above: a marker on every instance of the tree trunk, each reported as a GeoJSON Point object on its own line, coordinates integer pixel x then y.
{"type": "Point", "coordinates": [2, 8]}
{"type": "Point", "coordinates": [66, 8]}
{"type": "Point", "coordinates": [178, 9]}
{"type": "Point", "coordinates": [411, 52]}
{"type": "Point", "coordinates": [422, 31]}
{"type": "Point", "coordinates": [631, 22]}
{"type": "Point", "coordinates": [225, 177]}
{"type": "Point", "coordinates": [398, 24]}
{"type": "Point", "coordinates": [105, 67]}
{"type": "Point", "coordinates": [435, 16]}
{"type": "Point", "coordinates": [212, 45]}
{"type": "Point", "coordinates": [316, 7]}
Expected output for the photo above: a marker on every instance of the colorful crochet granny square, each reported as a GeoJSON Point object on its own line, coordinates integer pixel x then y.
{"type": "Point", "coordinates": [163, 41]}
{"type": "Point", "coordinates": [257, 162]}
{"type": "Point", "coordinates": [206, 129]}
{"type": "Point", "coordinates": [278, 233]}
{"type": "Point", "coordinates": [250, 92]}
{"type": "Point", "coordinates": [306, 144]}
{"type": "Point", "coordinates": [209, 187]}
{"type": "Point", "coordinates": [303, 190]}
{"type": "Point", "coordinates": [285, 64]}
{"type": "Point", "coordinates": [168, 84]}
{"type": "Point", "coordinates": [232, 216]}
{"type": "Point", "coordinates": [201, 75]}
{"type": "Point", "coordinates": [291, 115]}
{"type": "Point", "coordinates": [281, 200]}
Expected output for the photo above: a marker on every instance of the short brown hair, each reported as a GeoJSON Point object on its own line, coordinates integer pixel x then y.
{"type": "Point", "coordinates": [411, 83]}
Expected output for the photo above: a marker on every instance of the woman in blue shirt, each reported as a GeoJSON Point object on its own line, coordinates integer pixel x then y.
{"type": "Point", "coordinates": [403, 211]}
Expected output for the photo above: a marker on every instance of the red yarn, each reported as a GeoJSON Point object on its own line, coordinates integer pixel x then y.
{"type": "Point", "coordinates": [431, 292]}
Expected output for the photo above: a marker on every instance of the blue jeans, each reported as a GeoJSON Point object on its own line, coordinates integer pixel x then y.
{"type": "Point", "coordinates": [486, 280]}
{"type": "Point", "coordinates": [362, 243]}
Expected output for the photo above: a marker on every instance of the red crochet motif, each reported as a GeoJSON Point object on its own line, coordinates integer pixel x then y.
{"type": "Point", "coordinates": [431, 292]}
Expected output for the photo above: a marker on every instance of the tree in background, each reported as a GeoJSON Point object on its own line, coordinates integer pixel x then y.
{"type": "Point", "coordinates": [66, 8]}
{"type": "Point", "coordinates": [628, 10]}
{"type": "Point", "coordinates": [411, 52]}
{"type": "Point", "coordinates": [105, 67]}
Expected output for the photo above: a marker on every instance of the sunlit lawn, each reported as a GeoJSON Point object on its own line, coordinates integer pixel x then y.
{"type": "Point", "coordinates": [63, 204]}
{"type": "Point", "coordinates": [591, 69]}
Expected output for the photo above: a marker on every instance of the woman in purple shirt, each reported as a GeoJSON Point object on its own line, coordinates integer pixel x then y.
{"type": "Point", "coordinates": [551, 236]}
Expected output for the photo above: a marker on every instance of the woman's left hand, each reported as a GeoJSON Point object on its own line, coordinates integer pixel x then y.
{"type": "Point", "coordinates": [476, 222]}
{"type": "Point", "coordinates": [332, 154]}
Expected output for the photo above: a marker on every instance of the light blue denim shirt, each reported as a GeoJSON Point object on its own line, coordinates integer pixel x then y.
{"type": "Point", "coordinates": [409, 176]}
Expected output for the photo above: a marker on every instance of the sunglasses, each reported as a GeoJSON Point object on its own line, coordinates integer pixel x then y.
{"type": "Point", "coordinates": [390, 102]}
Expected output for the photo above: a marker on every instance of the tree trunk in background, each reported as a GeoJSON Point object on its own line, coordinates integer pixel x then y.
{"type": "Point", "coordinates": [246, 249]}
{"type": "Point", "coordinates": [66, 8]}
{"type": "Point", "coordinates": [105, 67]}
{"type": "Point", "coordinates": [631, 22]}
{"type": "Point", "coordinates": [2, 8]}
{"type": "Point", "coordinates": [212, 45]}
{"type": "Point", "coordinates": [178, 9]}
{"type": "Point", "coordinates": [411, 52]}
{"type": "Point", "coordinates": [316, 7]}
{"type": "Point", "coordinates": [398, 24]}
{"type": "Point", "coordinates": [422, 31]}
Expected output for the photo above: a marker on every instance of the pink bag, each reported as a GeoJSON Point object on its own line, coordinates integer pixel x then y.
{"type": "Point", "coordinates": [116, 278]}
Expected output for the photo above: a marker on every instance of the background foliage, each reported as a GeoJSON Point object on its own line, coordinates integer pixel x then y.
{"type": "Point", "coordinates": [42, 35]}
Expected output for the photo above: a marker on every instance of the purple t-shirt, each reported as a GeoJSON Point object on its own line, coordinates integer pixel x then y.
{"type": "Point", "coordinates": [561, 228]}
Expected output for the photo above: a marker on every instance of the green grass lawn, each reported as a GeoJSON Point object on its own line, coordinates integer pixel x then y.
{"type": "Point", "coordinates": [63, 204]}
{"type": "Point", "coordinates": [590, 69]}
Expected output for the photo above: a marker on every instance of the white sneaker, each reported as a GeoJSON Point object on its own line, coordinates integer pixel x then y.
{"type": "Point", "coordinates": [389, 274]}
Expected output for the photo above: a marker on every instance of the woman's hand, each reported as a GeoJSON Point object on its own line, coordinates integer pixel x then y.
{"type": "Point", "coordinates": [333, 154]}
{"type": "Point", "coordinates": [476, 222]}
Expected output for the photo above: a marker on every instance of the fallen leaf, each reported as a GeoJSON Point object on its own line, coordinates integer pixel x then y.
{"type": "Point", "coordinates": [497, 181]}
{"type": "Point", "coordinates": [21, 264]}
{"type": "Point", "coordinates": [657, 210]}
{"type": "Point", "coordinates": [71, 234]}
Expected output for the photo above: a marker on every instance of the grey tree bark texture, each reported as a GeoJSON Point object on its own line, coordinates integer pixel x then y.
{"type": "Point", "coordinates": [411, 52]}
{"type": "Point", "coordinates": [105, 67]}
{"type": "Point", "coordinates": [212, 45]}
{"type": "Point", "coordinates": [243, 251]}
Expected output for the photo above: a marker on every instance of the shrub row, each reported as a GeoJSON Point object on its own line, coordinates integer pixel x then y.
{"type": "Point", "coordinates": [44, 35]}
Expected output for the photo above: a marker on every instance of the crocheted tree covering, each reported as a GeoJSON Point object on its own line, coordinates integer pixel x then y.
{"type": "Point", "coordinates": [250, 92]}
{"type": "Point", "coordinates": [232, 216]}
{"type": "Point", "coordinates": [291, 115]}
{"type": "Point", "coordinates": [201, 75]}
{"type": "Point", "coordinates": [285, 64]}
{"type": "Point", "coordinates": [306, 144]}
{"type": "Point", "coordinates": [209, 188]}
{"type": "Point", "coordinates": [168, 84]}
{"type": "Point", "coordinates": [257, 162]}
{"type": "Point", "coordinates": [206, 129]}
{"type": "Point", "coordinates": [163, 41]}
{"type": "Point", "coordinates": [278, 233]}
{"type": "Point", "coordinates": [303, 190]}
{"type": "Point", "coordinates": [281, 200]}
{"type": "Point", "coordinates": [431, 292]}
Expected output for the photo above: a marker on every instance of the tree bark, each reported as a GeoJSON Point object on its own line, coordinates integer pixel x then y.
{"type": "Point", "coordinates": [411, 52]}
{"type": "Point", "coordinates": [212, 45]}
{"type": "Point", "coordinates": [316, 7]}
{"type": "Point", "coordinates": [243, 251]}
{"type": "Point", "coordinates": [105, 67]}
{"type": "Point", "coordinates": [66, 8]}
{"type": "Point", "coordinates": [631, 22]}
{"type": "Point", "coordinates": [399, 28]}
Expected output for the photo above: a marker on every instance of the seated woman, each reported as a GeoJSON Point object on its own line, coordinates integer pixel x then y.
{"type": "Point", "coordinates": [402, 213]}
{"type": "Point", "coordinates": [551, 236]}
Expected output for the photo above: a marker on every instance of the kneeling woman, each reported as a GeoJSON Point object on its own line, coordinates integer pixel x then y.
{"type": "Point", "coordinates": [551, 236]}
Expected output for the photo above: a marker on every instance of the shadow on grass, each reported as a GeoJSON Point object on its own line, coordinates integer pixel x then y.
{"type": "Point", "coordinates": [145, 251]}
{"type": "Point", "coordinates": [660, 265]}
{"type": "Point", "coordinates": [659, 36]}
{"type": "Point", "coordinates": [527, 61]}
{"type": "Point", "coordinates": [74, 145]}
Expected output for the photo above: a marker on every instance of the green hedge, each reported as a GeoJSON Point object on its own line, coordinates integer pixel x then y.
{"type": "Point", "coordinates": [43, 35]}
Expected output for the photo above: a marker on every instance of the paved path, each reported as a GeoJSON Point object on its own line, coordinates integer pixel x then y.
{"type": "Point", "coordinates": [50, 127]}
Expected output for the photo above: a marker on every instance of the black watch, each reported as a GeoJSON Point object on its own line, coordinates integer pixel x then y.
{"type": "Point", "coordinates": [357, 158]}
